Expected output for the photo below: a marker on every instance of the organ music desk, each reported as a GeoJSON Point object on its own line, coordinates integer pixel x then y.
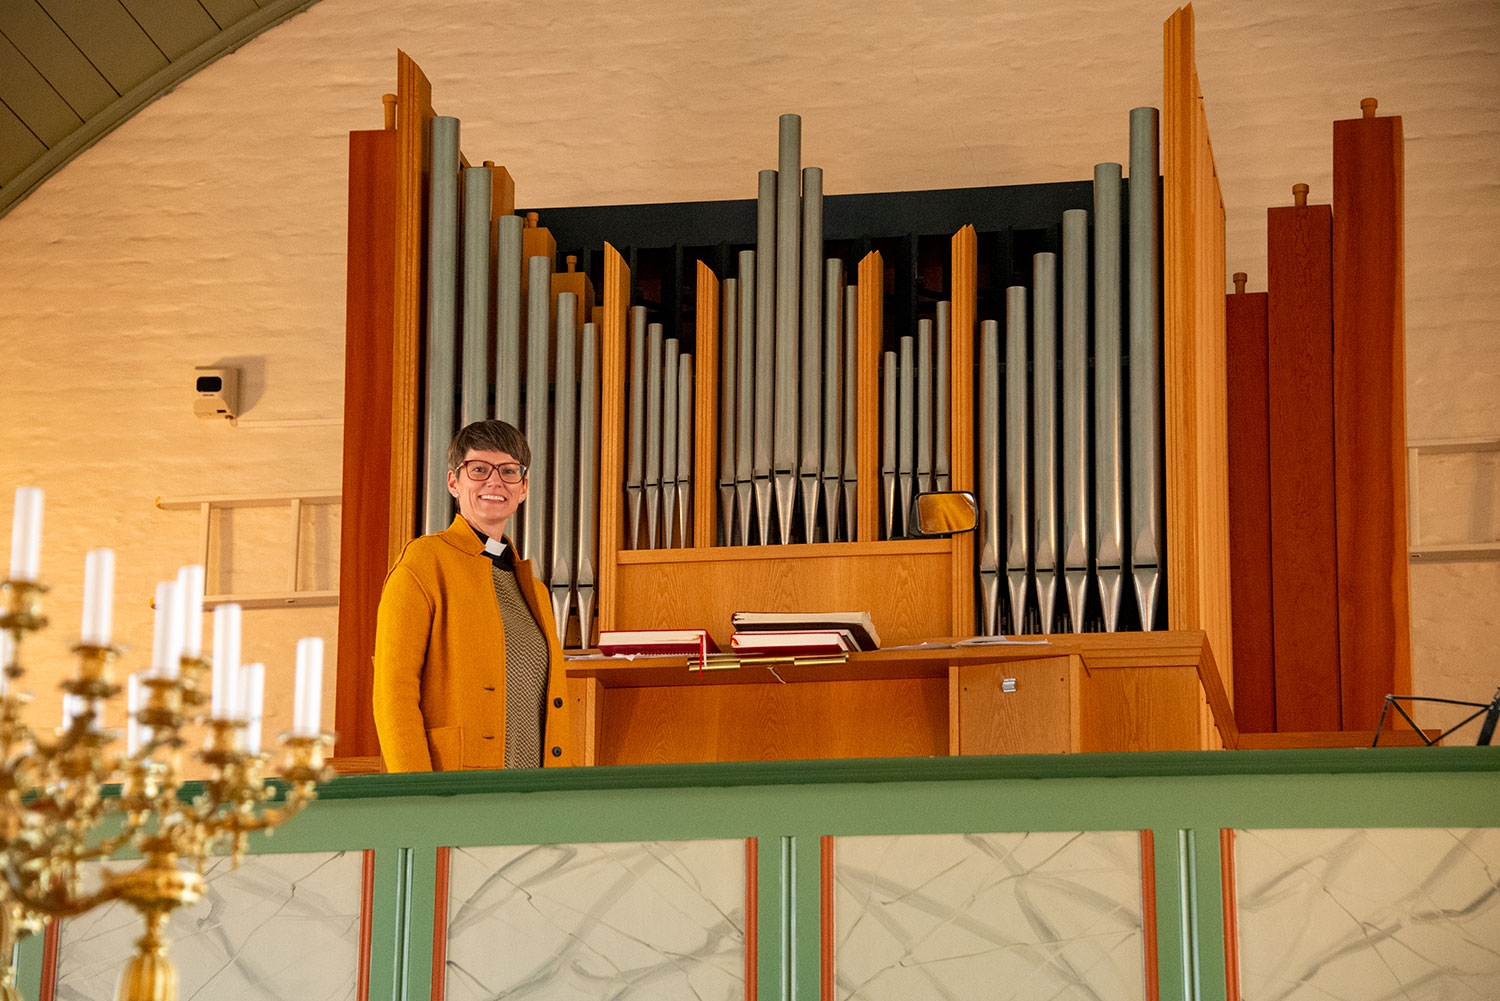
{"type": "Point", "coordinates": [1092, 692]}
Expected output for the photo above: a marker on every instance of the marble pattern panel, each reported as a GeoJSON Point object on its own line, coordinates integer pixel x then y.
{"type": "Point", "coordinates": [278, 927]}
{"type": "Point", "coordinates": [1368, 915]}
{"type": "Point", "coordinates": [639, 921]}
{"type": "Point", "coordinates": [989, 916]}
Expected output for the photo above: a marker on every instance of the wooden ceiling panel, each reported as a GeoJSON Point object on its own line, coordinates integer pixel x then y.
{"type": "Point", "coordinates": [175, 26]}
{"type": "Point", "coordinates": [69, 72]}
{"type": "Point", "coordinates": [32, 99]}
{"type": "Point", "coordinates": [18, 146]}
{"type": "Point", "coordinates": [106, 33]}
{"type": "Point", "coordinates": [227, 12]}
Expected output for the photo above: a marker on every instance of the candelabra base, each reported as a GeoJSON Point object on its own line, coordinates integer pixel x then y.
{"type": "Point", "coordinates": [148, 976]}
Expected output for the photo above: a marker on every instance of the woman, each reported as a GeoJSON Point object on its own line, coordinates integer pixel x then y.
{"type": "Point", "coordinates": [468, 668]}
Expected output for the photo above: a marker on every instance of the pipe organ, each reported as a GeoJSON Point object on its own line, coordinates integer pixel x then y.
{"type": "Point", "coordinates": [734, 404]}
{"type": "Point", "coordinates": [1067, 436]}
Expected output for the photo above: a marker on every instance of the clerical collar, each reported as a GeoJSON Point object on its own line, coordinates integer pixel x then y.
{"type": "Point", "coordinates": [498, 552]}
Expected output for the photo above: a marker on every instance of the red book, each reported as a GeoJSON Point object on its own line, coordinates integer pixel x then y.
{"type": "Point", "coordinates": [793, 642]}
{"type": "Point", "coordinates": [657, 642]}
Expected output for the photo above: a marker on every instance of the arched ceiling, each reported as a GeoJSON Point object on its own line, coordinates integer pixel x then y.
{"type": "Point", "coordinates": [73, 70]}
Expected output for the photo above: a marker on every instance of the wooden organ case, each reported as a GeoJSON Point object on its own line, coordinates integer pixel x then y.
{"type": "Point", "coordinates": [1153, 689]}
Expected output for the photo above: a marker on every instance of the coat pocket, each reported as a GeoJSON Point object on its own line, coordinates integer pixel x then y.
{"type": "Point", "coordinates": [446, 745]}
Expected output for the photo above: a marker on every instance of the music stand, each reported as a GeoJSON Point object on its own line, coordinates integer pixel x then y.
{"type": "Point", "coordinates": [1489, 710]}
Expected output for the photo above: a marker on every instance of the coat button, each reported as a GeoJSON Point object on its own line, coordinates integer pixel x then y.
{"type": "Point", "coordinates": [557, 703]}
{"type": "Point", "coordinates": [557, 752]}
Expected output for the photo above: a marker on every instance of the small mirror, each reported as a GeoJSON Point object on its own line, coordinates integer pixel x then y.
{"type": "Point", "coordinates": [945, 513]}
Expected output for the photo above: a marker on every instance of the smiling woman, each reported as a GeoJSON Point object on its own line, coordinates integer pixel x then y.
{"type": "Point", "coordinates": [468, 667]}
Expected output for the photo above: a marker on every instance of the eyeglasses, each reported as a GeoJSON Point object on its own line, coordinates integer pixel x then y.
{"type": "Point", "coordinates": [478, 470]}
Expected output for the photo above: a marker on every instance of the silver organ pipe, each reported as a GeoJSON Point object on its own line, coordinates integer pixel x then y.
{"type": "Point", "coordinates": [586, 573]}
{"type": "Point", "coordinates": [1077, 535]}
{"type": "Point", "coordinates": [1044, 435]}
{"type": "Point", "coordinates": [635, 470]}
{"type": "Point", "coordinates": [1017, 457]}
{"type": "Point", "coordinates": [729, 317]}
{"type": "Point", "coordinates": [833, 390]}
{"type": "Point", "coordinates": [1109, 459]}
{"type": "Point", "coordinates": [563, 559]}
{"type": "Point", "coordinates": [924, 407]}
{"type": "Point", "coordinates": [788, 307]}
{"type": "Point", "coordinates": [888, 486]}
{"type": "Point", "coordinates": [941, 446]}
{"type": "Point", "coordinates": [474, 368]}
{"type": "Point", "coordinates": [991, 541]}
{"type": "Point", "coordinates": [442, 321]}
{"type": "Point", "coordinates": [766, 250]}
{"type": "Point", "coordinates": [744, 435]}
{"type": "Point", "coordinates": [1146, 512]}
{"type": "Point", "coordinates": [669, 439]}
{"type": "Point", "coordinates": [509, 255]}
{"type": "Point", "coordinates": [533, 542]}
{"type": "Point", "coordinates": [684, 471]}
{"type": "Point", "coordinates": [652, 502]}
{"type": "Point", "coordinates": [811, 337]}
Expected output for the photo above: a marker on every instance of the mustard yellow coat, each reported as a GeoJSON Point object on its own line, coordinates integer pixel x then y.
{"type": "Point", "coordinates": [440, 659]}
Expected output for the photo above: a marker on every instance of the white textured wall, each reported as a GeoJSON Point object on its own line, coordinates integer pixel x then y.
{"type": "Point", "coordinates": [211, 228]}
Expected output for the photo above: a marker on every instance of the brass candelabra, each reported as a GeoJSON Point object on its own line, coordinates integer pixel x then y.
{"type": "Point", "coordinates": [58, 813]}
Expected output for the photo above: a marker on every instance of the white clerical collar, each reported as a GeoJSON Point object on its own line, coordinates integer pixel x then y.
{"type": "Point", "coordinates": [494, 546]}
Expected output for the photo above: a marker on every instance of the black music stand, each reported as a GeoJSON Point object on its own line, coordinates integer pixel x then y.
{"type": "Point", "coordinates": [1489, 710]}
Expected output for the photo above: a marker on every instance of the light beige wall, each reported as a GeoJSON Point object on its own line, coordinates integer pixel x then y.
{"type": "Point", "coordinates": [211, 227]}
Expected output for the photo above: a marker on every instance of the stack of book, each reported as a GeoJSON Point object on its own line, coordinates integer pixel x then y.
{"type": "Point", "coordinates": [802, 633]}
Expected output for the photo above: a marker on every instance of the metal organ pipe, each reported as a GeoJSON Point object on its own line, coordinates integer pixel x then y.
{"type": "Point", "coordinates": [744, 436]}
{"type": "Point", "coordinates": [587, 551]}
{"type": "Point", "coordinates": [941, 448]}
{"type": "Point", "coordinates": [533, 543]}
{"type": "Point", "coordinates": [990, 539]}
{"type": "Point", "coordinates": [1077, 536]}
{"type": "Point", "coordinates": [479, 184]}
{"type": "Point", "coordinates": [635, 472]}
{"type": "Point", "coordinates": [564, 466]}
{"type": "Point", "coordinates": [788, 304]}
{"type": "Point", "coordinates": [652, 503]}
{"type": "Point", "coordinates": [1044, 434]}
{"type": "Point", "coordinates": [442, 320]}
{"type": "Point", "coordinates": [668, 473]}
{"type": "Point", "coordinates": [1017, 464]}
{"type": "Point", "coordinates": [1109, 468]}
{"type": "Point", "coordinates": [508, 262]}
{"type": "Point", "coordinates": [728, 408]}
{"type": "Point", "coordinates": [766, 251]}
{"type": "Point", "coordinates": [833, 368]}
{"type": "Point", "coordinates": [1146, 512]}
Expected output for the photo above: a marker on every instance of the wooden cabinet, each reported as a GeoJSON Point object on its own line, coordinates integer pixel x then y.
{"type": "Point", "coordinates": [1100, 692]}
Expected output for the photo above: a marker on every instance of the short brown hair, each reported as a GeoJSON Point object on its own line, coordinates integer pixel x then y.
{"type": "Point", "coordinates": [489, 436]}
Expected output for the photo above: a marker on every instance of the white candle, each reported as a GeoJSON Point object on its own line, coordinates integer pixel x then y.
{"type": "Point", "coordinates": [70, 709]}
{"type": "Point", "coordinates": [190, 580]}
{"type": "Point", "coordinates": [308, 706]}
{"type": "Point", "coordinates": [26, 535]}
{"type": "Point", "coordinates": [226, 701]}
{"type": "Point", "coordinates": [253, 698]}
{"type": "Point", "coordinates": [98, 596]}
{"type": "Point", "coordinates": [166, 651]}
{"type": "Point", "coordinates": [7, 654]}
{"type": "Point", "coordinates": [133, 700]}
